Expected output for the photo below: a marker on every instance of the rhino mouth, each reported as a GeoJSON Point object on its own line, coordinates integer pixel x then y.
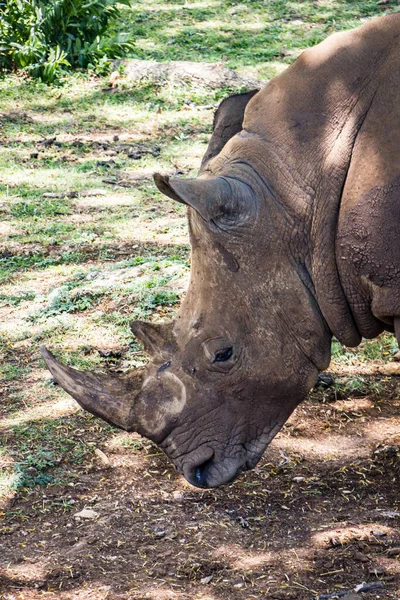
{"type": "Point", "coordinates": [213, 473]}
{"type": "Point", "coordinates": [207, 468]}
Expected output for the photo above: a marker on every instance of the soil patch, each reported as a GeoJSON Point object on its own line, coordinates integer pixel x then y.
{"type": "Point", "coordinates": [302, 525]}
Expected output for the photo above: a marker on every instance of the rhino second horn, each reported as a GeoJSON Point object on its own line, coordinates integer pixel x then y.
{"type": "Point", "coordinates": [157, 338]}
{"type": "Point", "coordinates": [205, 194]}
{"type": "Point", "coordinates": [106, 396]}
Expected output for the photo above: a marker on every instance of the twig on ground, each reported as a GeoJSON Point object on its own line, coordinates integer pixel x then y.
{"type": "Point", "coordinates": [362, 587]}
{"type": "Point", "coordinates": [120, 183]}
{"type": "Point", "coordinates": [87, 193]}
{"type": "Point", "coordinates": [287, 459]}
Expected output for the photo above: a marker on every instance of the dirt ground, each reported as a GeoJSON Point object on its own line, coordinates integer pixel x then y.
{"type": "Point", "coordinates": [318, 516]}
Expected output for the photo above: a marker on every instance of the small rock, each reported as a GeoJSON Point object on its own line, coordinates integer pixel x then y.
{"type": "Point", "coordinates": [177, 496]}
{"type": "Point", "coordinates": [393, 551]}
{"type": "Point", "coordinates": [361, 557]}
{"type": "Point", "coordinates": [32, 471]}
{"type": "Point", "coordinates": [92, 275]}
{"type": "Point", "coordinates": [34, 155]}
{"type": "Point", "coordinates": [160, 533]}
{"type": "Point", "coordinates": [298, 479]}
{"type": "Point", "coordinates": [325, 380]}
{"type": "Point", "coordinates": [206, 580]}
{"type": "Point", "coordinates": [378, 534]}
{"type": "Point", "coordinates": [243, 522]}
{"type": "Point", "coordinates": [47, 142]}
{"type": "Point", "coordinates": [377, 571]}
{"type": "Point", "coordinates": [86, 513]}
{"type": "Point", "coordinates": [102, 457]}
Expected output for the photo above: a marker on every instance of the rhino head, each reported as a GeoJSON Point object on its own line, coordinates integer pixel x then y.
{"type": "Point", "coordinates": [247, 343]}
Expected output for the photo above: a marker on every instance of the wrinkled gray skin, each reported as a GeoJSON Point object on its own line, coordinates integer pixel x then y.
{"type": "Point", "coordinates": [295, 233]}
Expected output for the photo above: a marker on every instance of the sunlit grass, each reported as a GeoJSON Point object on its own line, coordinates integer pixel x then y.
{"type": "Point", "coordinates": [8, 482]}
{"type": "Point", "coordinates": [240, 34]}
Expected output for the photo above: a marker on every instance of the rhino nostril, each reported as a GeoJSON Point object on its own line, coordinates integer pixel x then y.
{"type": "Point", "coordinates": [198, 474]}
{"type": "Point", "coordinates": [201, 473]}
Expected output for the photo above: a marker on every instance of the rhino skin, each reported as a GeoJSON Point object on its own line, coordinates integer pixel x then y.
{"type": "Point", "coordinates": [295, 232]}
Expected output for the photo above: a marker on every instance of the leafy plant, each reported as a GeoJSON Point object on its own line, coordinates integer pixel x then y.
{"type": "Point", "coordinates": [45, 37]}
{"type": "Point", "coordinates": [10, 300]}
{"type": "Point", "coordinates": [33, 470]}
{"type": "Point", "coordinates": [66, 299]}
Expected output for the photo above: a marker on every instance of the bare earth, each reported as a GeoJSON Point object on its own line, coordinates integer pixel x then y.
{"type": "Point", "coordinates": [319, 515]}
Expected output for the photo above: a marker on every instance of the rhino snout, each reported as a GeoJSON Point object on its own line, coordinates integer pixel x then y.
{"type": "Point", "coordinates": [213, 473]}
{"type": "Point", "coordinates": [208, 471]}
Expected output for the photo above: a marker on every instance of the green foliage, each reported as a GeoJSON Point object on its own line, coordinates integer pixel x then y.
{"type": "Point", "coordinates": [10, 264]}
{"type": "Point", "coordinates": [10, 300]}
{"type": "Point", "coordinates": [33, 470]}
{"type": "Point", "coordinates": [42, 207]}
{"type": "Point", "coordinates": [64, 300]}
{"type": "Point", "coordinates": [44, 37]}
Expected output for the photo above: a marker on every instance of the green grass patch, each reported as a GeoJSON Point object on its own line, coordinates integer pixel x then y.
{"type": "Point", "coordinates": [49, 451]}
{"type": "Point", "coordinates": [41, 208]}
{"type": "Point", "coordinates": [12, 370]}
{"type": "Point", "coordinates": [11, 264]}
{"type": "Point", "coordinates": [10, 300]}
{"type": "Point", "coordinates": [381, 348]}
{"type": "Point", "coordinates": [247, 33]}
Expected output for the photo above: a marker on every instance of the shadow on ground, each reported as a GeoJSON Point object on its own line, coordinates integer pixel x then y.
{"type": "Point", "coordinates": [319, 514]}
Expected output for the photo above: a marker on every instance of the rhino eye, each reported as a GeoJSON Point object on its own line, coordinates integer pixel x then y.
{"type": "Point", "coordinates": [223, 355]}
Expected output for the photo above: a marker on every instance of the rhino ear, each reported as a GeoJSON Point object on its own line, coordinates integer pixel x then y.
{"type": "Point", "coordinates": [157, 338]}
{"type": "Point", "coordinates": [214, 198]}
{"type": "Point", "coordinates": [228, 121]}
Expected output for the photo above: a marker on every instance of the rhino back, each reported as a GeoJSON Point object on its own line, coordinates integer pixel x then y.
{"type": "Point", "coordinates": [368, 240]}
{"type": "Point", "coordinates": [328, 129]}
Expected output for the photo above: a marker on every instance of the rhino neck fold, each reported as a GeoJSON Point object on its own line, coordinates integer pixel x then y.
{"type": "Point", "coordinates": [304, 124]}
{"type": "Point", "coordinates": [329, 291]}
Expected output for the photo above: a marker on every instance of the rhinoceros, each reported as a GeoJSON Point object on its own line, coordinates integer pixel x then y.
{"type": "Point", "coordinates": [294, 226]}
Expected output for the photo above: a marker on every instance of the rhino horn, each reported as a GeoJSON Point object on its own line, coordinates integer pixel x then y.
{"type": "Point", "coordinates": [208, 196]}
{"type": "Point", "coordinates": [106, 396]}
{"type": "Point", "coordinates": [157, 338]}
